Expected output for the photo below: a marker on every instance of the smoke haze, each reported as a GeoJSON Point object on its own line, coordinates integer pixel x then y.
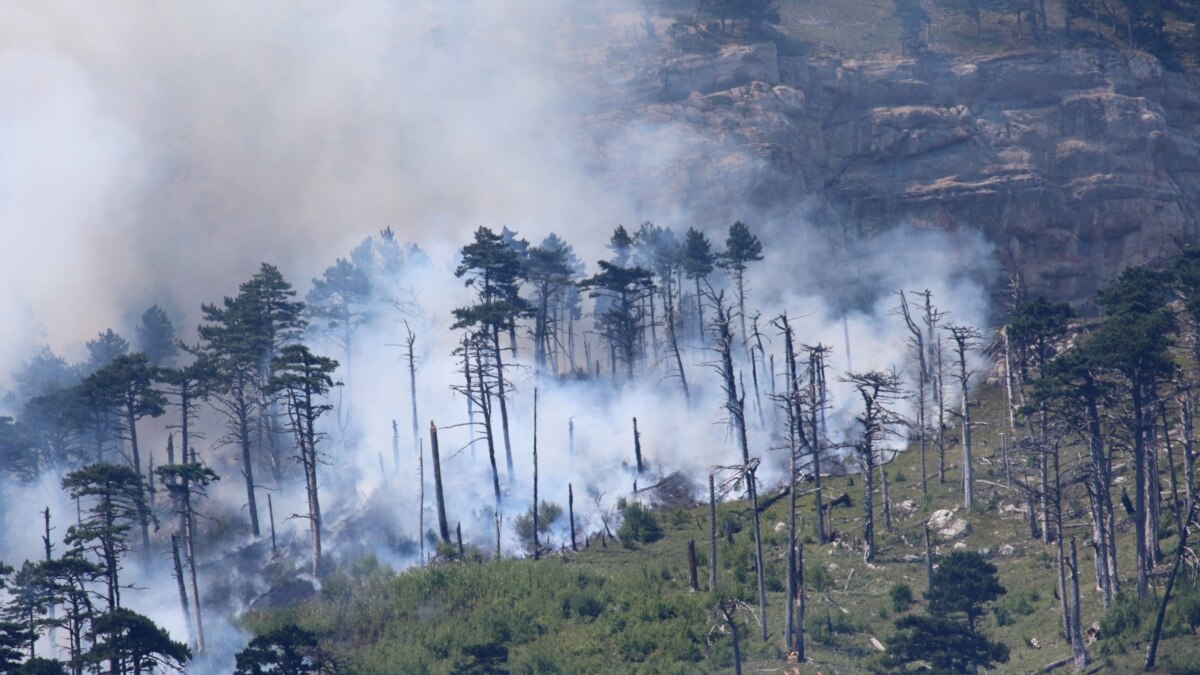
{"type": "Point", "coordinates": [158, 152]}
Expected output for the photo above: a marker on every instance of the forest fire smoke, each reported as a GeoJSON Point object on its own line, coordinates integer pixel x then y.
{"type": "Point", "coordinates": [163, 156]}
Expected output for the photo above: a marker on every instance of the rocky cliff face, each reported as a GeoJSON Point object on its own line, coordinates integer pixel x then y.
{"type": "Point", "coordinates": [1074, 163]}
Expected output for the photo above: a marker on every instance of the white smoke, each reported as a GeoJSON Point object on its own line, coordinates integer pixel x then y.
{"type": "Point", "coordinates": [158, 152]}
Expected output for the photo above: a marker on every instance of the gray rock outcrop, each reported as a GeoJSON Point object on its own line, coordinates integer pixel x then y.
{"type": "Point", "coordinates": [1073, 163]}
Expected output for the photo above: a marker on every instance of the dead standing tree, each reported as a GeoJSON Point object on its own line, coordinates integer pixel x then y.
{"type": "Point", "coordinates": [793, 405]}
{"type": "Point", "coordinates": [965, 339]}
{"type": "Point", "coordinates": [879, 390]}
{"type": "Point", "coordinates": [818, 394]}
{"type": "Point", "coordinates": [183, 482]}
{"type": "Point", "coordinates": [916, 340]}
{"type": "Point", "coordinates": [932, 319]}
{"type": "Point", "coordinates": [735, 405]}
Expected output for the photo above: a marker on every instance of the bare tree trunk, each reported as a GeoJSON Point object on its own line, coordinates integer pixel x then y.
{"type": "Point", "coordinates": [485, 406]}
{"type": "Point", "coordinates": [964, 338]}
{"type": "Point", "coordinates": [271, 516]}
{"type": "Point", "coordinates": [737, 411]}
{"type": "Point", "coordinates": [571, 514]}
{"type": "Point", "coordinates": [508, 458]}
{"type": "Point", "coordinates": [790, 614]}
{"type": "Point", "coordinates": [1187, 413]}
{"type": "Point", "coordinates": [817, 395]}
{"type": "Point", "coordinates": [885, 494]}
{"type": "Point", "coordinates": [536, 547]}
{"type": "Point", "coordinates": [928, 557]}
{"type": "Point", "coordinates": [1139, 461]}
{"type": "Point", "coordinates": [693, 583]}
{"type": "Point", "coordinates": [421, 499]}
{"type": "Point", "coordinates": [183, 598]}
{"type": "Point", "coordinates": [470, 402]}
{"type": "Point", "coordinates": [799, 640]}
{"type": "Point", "coordinates": [409, 342]}
{"type": "Point", "coordinates": [443, 524]}
{"type": "Point", "coordinates": [867, 468]}
{"type": "Point", "coordinates": [248, 473]}
{"type": "Point", "coordinates": [1077, 646]}
{"type": "Point", "coordinates": [712, 522]}
{"type": "Point", "coordinates": [637, 446]}
{"type": "Point", "coordinates": [1062, 558]}
{"type": "Point", "coordinates": [396, 446]}
{"type": "Point", "coordinates": [731, 621]}
{"type": "Point", "coordinates": [917, 341]}
{"type": "Point", "coordinates": [188, 518]}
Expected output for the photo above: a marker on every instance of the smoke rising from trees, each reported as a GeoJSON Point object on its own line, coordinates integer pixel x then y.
{"type": "Point", "coordinates": [156, 154]}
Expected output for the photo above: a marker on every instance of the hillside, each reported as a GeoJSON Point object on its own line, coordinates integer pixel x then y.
{"type": "Point", "coordinates": [615, 608]}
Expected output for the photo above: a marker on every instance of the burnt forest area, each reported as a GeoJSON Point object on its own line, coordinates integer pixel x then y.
{"type": "Point", "coordinates": [676, 336]}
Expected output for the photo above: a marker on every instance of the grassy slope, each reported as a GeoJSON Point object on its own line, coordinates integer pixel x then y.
{"type": "Point", "coordinates": [629, 610]}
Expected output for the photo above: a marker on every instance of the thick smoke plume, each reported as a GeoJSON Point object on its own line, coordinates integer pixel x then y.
{"type": "Point", "coordinates": [158, 152]}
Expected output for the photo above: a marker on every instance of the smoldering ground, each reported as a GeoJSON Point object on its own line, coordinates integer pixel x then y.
{"type": "Point", "coordinates": [157, 153]}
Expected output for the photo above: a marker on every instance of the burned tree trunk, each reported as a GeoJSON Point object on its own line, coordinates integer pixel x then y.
{"type": "Point", "coordinates": [409, 342]}
{"type": "Point", "coordinates": [395, 447]}
{"type": "Point", "coordinates": [917, 341]}
{"type": "Point", "coordinates": [735, 405]}
{"type": "Point", "coordinates": [536, 547]}
{"type": "Point", "coordinates": [637, 446]}
{"type": "Point", "coordinates": [271, 516]}
{"type": "Point", "coordinates": [817, 392]}
{"type": "Point", "coordinates": [798, 643]}
{"type": "Point", "coordinates": [964, 339]}
{"type": "Point", "coordinates": [571, 514]}
{"type": "Point", "coordinates": [443, 524]}
{"type": "Point", "coordinates": [712, 544]}
{"type": "Point", "coordinates": [693, 583]}
{"type": "Point", "coordinates": [183, 598]}
{"type": "Point", "coordinates": [1077, 646]}
{"type": "Point", "coordinates": [508, 458]}
{"type": "Point", "coordinates": [878, 390]}
{"type": "Point", "coordinates": [932, 319]}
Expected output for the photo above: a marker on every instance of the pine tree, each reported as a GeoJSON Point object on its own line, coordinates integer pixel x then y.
{"type": "Point", "coordinates": [741, 249]}
{"type": "Point", "coordinates": [492, 269]}
{"type": "Point", "coordinates": [156, 336]}
{"type": "Point", "coordinates": [302, 378]}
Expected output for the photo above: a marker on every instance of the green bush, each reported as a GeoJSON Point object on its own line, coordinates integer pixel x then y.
{"type": "Point", "coordinates": [817, 577]}
{"type": "Point", "coordinates": [902, 597]}
{"type": "Point", "coordinates": [824, 628]}
{"type": "Point", "coordinates": [1125, 617]}
{"type": "Point", "coordinates": [638, 525]}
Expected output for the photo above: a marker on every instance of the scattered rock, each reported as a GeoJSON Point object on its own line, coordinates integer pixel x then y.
{"type": "Point", "coordinates": [986, 552]}
{"type": "Point", "coordinates": [876, 643]}
{"type": "Point", "coordinates": [959, 546]}
{"type": "Point", "coordinates": [908, 505]}
{"type": "Point", "coordinates": [780, 527]}
{"type": "Point", "coordinates": [940, 518]}
{"type": "Point", "coordinates": [1034, 643]}
{"type": "Point", "coordinates": [1007, 549]}
{"type": "Point", "coordinates": [955, 529]}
